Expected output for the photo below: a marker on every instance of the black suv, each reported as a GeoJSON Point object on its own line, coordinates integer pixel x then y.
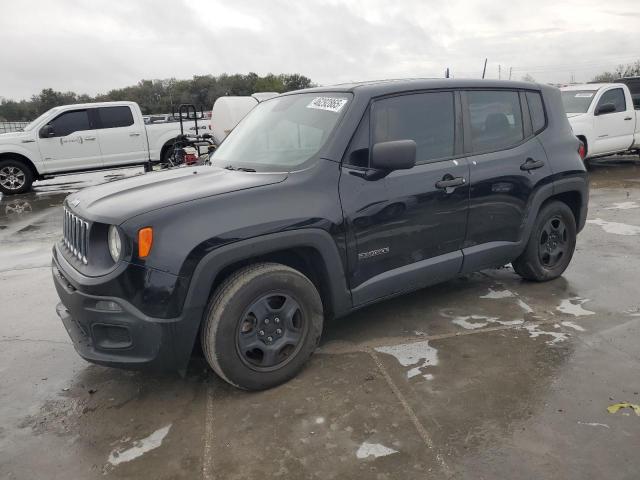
{"type": "Point", "coordinates": [319, 202]}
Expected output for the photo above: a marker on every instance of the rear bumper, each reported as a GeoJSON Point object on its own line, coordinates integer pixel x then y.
{"type": "Point", "coordinates": [111, 331]}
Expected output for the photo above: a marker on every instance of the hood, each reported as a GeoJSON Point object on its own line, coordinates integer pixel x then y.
{"type": "Point", "coordinates": [120, 200]}
{"type": "Point", "coordinates": [9, 136]}
{"type": "Point", "coordinates": [573, 115]}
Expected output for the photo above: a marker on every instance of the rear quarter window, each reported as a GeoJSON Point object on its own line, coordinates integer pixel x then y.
{"type": "Point", "coordinates": [536, 110]}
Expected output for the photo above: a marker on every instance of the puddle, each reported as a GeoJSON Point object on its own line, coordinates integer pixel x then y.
{"type": "Point", "coordinates": [594, 424]}
{"type": "Point", "coordinates": [374, 450]}
{"type": "Point", "coordinates": [573, 306]}
{"type": "Point", "coordinates": [472, 322]}
{"type": "Point", "coordinates": [615, 227]}
{"type": "Point", "coordinates": [524, 306]}
{"type": "Point", "coordinates": [140, 447]}
{"type": "Point", "coordinates": [496, 294]}
{"type": "Point", "coordinates": [419, 355]}
{"type": "Point", "coordinates": [534, 332]}
{"type": "Point", "coordinates": [623, 206]}
{"type": "Point", "coordinates": [575, 326]}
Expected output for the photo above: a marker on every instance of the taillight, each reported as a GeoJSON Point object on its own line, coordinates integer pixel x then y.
{"type": "Point", "coordinates": [582, 151]}
{"type": "Point", "coordinates": [190, 158]}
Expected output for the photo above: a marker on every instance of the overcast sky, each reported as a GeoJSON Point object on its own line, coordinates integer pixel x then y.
{"type": "Point", "coordinates": [94, 46]}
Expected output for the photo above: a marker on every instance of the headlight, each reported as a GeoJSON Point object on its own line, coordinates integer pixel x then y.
{"type": "Point", "coordinates": [115, 243]}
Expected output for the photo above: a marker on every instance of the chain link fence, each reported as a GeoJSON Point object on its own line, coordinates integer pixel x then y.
{"type": "Point", "coordinates": [12, 126]}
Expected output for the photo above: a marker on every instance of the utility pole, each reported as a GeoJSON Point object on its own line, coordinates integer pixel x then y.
{"type": "Point", "coordinates": [446, 74]}
{"type": "Point", "coordinates": [484, 70]}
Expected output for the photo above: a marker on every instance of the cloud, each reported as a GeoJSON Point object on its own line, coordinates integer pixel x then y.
{"type": "Point", "coordinates": [96, 46]}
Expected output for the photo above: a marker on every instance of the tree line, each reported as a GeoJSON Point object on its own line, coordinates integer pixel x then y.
{"type": "Point", "coordinates": [159, 96]}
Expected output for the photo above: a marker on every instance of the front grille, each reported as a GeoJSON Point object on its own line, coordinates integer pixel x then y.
{"type": "Point", "coordinates": [75, 232]}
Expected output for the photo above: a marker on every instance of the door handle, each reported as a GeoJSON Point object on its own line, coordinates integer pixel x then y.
{"type": "Point", "coordinates": [628, 118]}
{"type": "Point", "coordinates": [449, 182]}
{"type": "Point", "coordinates": [531, 164]}
{"type": "Point", "coordinates": [89, 138]}
{"type": "Point", "coordinates": [134, 134]}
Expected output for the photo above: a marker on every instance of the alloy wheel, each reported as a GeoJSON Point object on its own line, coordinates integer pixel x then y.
{"type": "Point", "coordinates": [12, 178]}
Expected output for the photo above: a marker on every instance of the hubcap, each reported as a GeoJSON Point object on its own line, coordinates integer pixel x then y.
{"type": "Point", "coordinates": [270, 332]}
{"type": "Point", "coordinates": [12, 178]}
{"type": "Point", "coordinates": [553, 242]}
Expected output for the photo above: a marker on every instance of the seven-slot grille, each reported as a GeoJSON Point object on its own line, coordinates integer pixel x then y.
{"type": "Point", "coordinates": [76, 235]}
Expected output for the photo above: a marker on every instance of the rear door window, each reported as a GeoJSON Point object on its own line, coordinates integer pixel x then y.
{"type": "Point", "coordinates": [115, 117]}
{"type": "Point", "coordinates": [70, 122]}
{"type": "Point", "coordinates": [426, 118]}
{"type": "Point", "coordinates": [615, 96]}
{"type": "Point", "coordinates": [495, 118]}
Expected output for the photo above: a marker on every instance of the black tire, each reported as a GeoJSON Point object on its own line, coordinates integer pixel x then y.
{"type": "Point", "coordinates": [167, 155]}
{"type": "Point", "coordinates": [15, 177]}
{"type": "Point", "coordinates": [237, 342]}
{"type": "Point", "coordinates": [551, 244]}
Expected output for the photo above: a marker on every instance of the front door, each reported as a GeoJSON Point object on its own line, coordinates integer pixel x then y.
{"type": "Point", "coordinates": [73, 144]}
{"type": "Point", "coordinates": [405, 230]}
{"type": "Point", "coordinates": [507, 164]}
{"type": "Point", "coordinates": [613, 130]}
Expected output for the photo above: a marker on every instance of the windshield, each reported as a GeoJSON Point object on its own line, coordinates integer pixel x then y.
{"type": "Point", "coordinates": [283, 133]}
{"type": "Point", "coordinates": [577, 101]}
{"type": "Point", "coordinates": [37, 120]}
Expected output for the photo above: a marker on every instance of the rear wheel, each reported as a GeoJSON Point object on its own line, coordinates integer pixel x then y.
{"type": "Point", "coordinates": [551, 244]}
{"type": "Point", "coordinates": [262, 325]}
{"type": "Point", "coordinates": [15, 177]}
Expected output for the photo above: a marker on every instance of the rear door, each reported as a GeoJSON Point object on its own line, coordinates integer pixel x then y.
{"type": "Point", "coordinates": [507, 164]}
{"type": "Point", "coordinates": [122, 136]}
{"type": "Point", "coordinates": [406, 229]}
{"type": "Point", "coordinates": [73, 144]}
{"type": "Point", "coordinates": [613, 130]}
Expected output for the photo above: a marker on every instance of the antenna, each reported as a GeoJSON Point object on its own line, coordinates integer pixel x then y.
{"type": "Point", "coordinates": [499, 72]}
{"type": "Point", "coordinates": [484, 70]}
{"type": "Point", "coordinates": [446, 73]}
{"type": "Point", "coordinates": [510, 68]}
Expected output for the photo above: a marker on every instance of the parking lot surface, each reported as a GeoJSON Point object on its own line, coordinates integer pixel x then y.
{"type": "Point", "coordinates": [484, 377]}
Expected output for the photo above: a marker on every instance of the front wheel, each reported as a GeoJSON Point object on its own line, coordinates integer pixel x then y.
{"type": "Point", "coordinates": [262, 325]}
{"type": "Point", "coordinates": [15, 177]}
{"type": "Point", "coordinates": [551, 244]}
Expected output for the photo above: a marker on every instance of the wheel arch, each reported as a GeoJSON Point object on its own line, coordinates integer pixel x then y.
{"type": "Point", "coordinates": [313, 252]}
{"type": "Point", "coordinates": [572, 191]}
{"type": "Point", "coordinates": [21, 158]}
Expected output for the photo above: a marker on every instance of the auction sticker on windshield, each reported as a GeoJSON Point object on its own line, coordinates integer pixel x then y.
{"type": "Point", "coordinates": [331, 104]}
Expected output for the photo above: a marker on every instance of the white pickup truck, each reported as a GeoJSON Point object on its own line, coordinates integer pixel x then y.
{"type": "Point", "coordinates": [82, 137]}
{"type": "Point", "coordinates": [602, 116]}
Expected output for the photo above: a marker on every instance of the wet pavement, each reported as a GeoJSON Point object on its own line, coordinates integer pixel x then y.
{"type": "Point", "coordinates": [483, 377]}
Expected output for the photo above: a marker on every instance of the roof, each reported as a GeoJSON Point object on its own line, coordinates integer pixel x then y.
{"type": "Point", "coordinates": [383, 87]}
{"type": "Point", "coordinates": [96, 104]}
{"type": "Point", "coordinates": [590, 86]}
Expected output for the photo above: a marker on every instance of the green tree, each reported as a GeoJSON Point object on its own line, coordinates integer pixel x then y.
{"type": "Point", "coordinates": [621, 71]}
{"type": "Point", "coordinates": [160, 96]}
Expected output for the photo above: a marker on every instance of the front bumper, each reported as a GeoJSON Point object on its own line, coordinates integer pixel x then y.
{"type": "Point", "coordinates": [111, 331]}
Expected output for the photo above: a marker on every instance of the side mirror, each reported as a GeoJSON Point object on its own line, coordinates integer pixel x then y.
{"type": "Point", "coordinates": [605, 108]}
{"type": "Point", "coordinates": [394, 155]}
{"type": "Point", "coordinates": [46, 131]}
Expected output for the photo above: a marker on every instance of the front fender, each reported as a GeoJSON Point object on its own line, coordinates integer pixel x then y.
{"type": "Point", "coordinates": [208, 268]}
{"type": "Point", "coordinates": [20, 150]}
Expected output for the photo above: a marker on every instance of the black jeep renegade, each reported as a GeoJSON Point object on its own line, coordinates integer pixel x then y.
{"type": "Point", "coordinates": [319, 202]}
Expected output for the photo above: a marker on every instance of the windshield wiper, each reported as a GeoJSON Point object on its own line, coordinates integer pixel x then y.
{"type": "Point", "coordinates": [240, 169]}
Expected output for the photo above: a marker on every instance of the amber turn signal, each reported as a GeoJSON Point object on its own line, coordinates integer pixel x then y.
{"type": "Point", "coordinates": [145, 241]}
